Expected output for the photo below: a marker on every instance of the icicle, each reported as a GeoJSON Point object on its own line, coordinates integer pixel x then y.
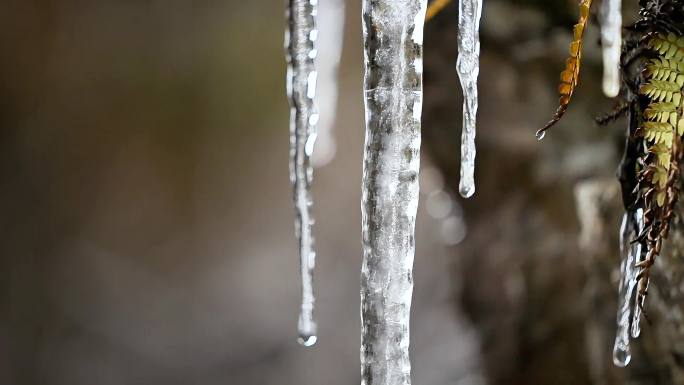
{"type": "Point", "coordinates": [628, 310]}
{"type": "Point", "coordinates": [639, 256]}
{"type": "Point", "coordinates": [610, 19]}
{"type": "Point", "coordinates": [628, 281]}
{"type": "Point", "coordinates": [300, 37]}
{"type": "Point", "coordinates": [468, 67]}
{"type": "Point", "coordinates": [330, 21]}
{"type": "Point", "coordinates": [393, 34]}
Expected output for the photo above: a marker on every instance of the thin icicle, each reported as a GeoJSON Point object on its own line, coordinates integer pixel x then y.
{"type": "Point", "coordinates": [628, 281]}
{"type": "Point", "coordinates": [468, 67]}
{"type": "Point", "coordinates": [330, 21]}
{"type": "Point", "coordinates": [610, 18]}
{"type": "Point", "coordinates": [639, 256]}
{"type": "Point", "coordinates": [393, 34]}
{"type": "Point", "coordinates": [300, 37]}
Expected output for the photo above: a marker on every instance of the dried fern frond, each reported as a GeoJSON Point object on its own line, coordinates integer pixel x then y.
{"type": "Point", "coordinates": [435, 7]}
{"type": "Point", "coordinates": [570, 75]}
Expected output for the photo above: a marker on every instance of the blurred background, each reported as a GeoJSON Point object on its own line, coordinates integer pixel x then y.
{"type": "Point", "coordinates": [146, 211]}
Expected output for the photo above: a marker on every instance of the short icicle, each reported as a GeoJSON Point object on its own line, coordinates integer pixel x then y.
{"type": "Point", "coordinates": [393, 36]}
{"type": "Point", "coordinates": [468, 68]}
{"type": "Point", "coordinates": [300, 37]}
{"type": "Point", "coordinates": [628, 280]}
{"type": "Point", "coordinates": [610, 19]}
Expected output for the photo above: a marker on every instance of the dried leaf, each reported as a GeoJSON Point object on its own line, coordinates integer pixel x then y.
{"type": "Point", "coordinates": [435, 7]}
{"type": "Point", "coordinates": [570, 75]}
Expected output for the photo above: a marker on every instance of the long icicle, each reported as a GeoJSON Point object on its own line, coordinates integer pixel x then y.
{"type": "Point", "coordinates": [300, 37]}
{"type": "Point", "coordinates": [629, 254]}
{"type": "Point", "coordinates": [393, 35]}
{"type": "Point", "coordinates": [610, 16]}
{"type": "Point", "coordinates": [468, 67]}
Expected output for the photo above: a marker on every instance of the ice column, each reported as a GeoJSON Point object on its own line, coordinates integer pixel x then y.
{"type": "Point", "coordinates": [393, 37]}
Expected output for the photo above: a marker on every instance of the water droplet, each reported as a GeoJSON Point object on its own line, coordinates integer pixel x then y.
{"type": "Point", "coordinates": [621, 355]}
{"type": "Point", "coordinates": [466, 190]}
{"type": "Point", "coordinates": [305, 340]}
{"type": "Point", "coordinates": [541, 134]}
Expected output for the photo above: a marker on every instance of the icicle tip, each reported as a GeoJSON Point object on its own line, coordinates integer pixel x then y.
{"type": "Point", "coordinates": [466, 191]}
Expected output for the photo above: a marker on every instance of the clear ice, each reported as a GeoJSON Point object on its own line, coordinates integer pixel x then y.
{"type": "Point", "coordinates": [630, 254]}
{"type": "Point", "coordinates": [610, 19]}
{"type": "Point", "coordinates": [468, 68]}
{"type": "Point", "coordinates": [638, 300]}
{"type": "Point", "coordinates": [300, 38]}
{"type": "Point", "coordinates": [393, 37]}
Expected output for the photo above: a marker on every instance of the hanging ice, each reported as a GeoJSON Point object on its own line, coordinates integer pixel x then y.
{"type": "Point", "coordinates": [468, 67]}
{"type": "Point", "coordinates": [330, 21]}
{"type": "Point", "coordinates": [393, 34]}
{"type": "Point", "coordinates": [628, 312]}
{"type": "Point", "coordinates": [610, 18]}
{"type": "Point", "coordinates": [628, 281]}
{"type": "Point", "coordinates": [639, 256]}
{"type": "Point", "coordinates": [300, 37]}
{"type": "Point", "coordinates": [621, 352]}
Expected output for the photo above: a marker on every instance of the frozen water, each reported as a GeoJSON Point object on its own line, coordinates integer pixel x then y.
{"type": "Point", "coordinates": [300, 37]}
{"type": "Point", "coordinates": [638, 300]}
{"type": "Point", "coordinates": [468, 68]}
{"type": "Point", "coordinates": [393, 35]}
{"type": "Point", "coordinates": [630, 254]}
{"type": "Point", "coordinates": [610, 18]}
